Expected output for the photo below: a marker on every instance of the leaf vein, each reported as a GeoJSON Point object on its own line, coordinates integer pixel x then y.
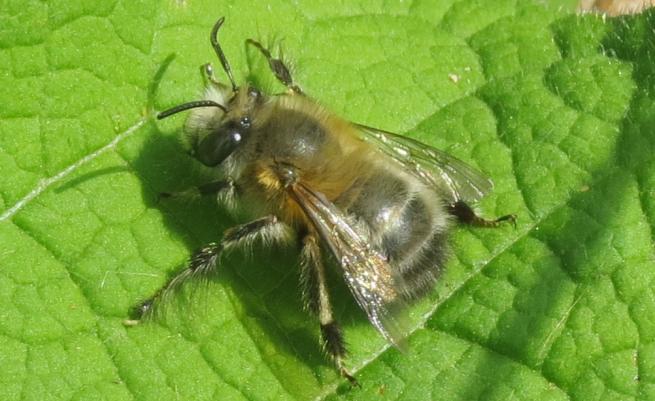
{"type": "Point", "coordinates": [46, 183]}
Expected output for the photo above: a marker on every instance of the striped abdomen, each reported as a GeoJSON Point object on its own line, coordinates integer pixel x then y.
{"type": "Point", "coordinates": [406, 222]}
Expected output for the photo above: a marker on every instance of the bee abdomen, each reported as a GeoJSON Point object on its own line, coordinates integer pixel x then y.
{"type": "Point", "coordinates": [408, 223]}
{"type": "Point", "coordinates": [421, 270]}
{"type": "Point", "coordinates": [416, 244]}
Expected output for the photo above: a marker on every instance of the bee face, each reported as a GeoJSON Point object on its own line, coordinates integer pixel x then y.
{"type": "Point", "coordinates": [215, 138]}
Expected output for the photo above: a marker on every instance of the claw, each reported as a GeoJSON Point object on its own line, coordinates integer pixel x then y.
{"type": "Point", "coordinates": [353, 382]}
{"type": "Point", "coordinates": [511, 218]}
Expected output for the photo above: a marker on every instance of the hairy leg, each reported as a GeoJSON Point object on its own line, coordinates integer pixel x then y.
{"type": "Point", "coordinates": [277, 66]}
{"type": "Point", "coordinates": [315, 293]}
{"type": "Point", "coordinates": [205, 260]}
{"type": "Point", "coordinates": [210, 188]}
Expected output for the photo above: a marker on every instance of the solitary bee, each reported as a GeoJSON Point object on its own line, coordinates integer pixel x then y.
{"type": "Point", "coordinates": [380, 204]}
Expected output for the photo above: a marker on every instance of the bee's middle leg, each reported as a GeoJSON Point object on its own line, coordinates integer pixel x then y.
{"type": "Point", "coordinates": [204, 261]}
{"type": "Point", "coordinates": [277, 66]}
{"type": "Point", "coordinates": [317, 300]}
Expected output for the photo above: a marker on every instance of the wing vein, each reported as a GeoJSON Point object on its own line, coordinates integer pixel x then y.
{"type": "Point", "coordinates": [366, 271]}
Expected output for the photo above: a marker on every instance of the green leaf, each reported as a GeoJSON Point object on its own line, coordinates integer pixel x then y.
{"type": "Point", "coordinates": [558, 109]}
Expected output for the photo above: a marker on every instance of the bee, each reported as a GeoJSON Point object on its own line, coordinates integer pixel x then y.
{"type": "Point", "coordinates": [379, 204]}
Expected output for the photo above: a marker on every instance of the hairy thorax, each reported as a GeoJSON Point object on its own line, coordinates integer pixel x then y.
{"type": "Point", "coordinates": [297, 140]}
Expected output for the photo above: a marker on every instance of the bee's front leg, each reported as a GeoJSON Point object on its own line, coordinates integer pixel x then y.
{"type": "Point", "coordinates": [215, 187]}
{"type": "Point", "coordinates": [207, 71]}
{"type": "Point", "coordinates": [277, 66]}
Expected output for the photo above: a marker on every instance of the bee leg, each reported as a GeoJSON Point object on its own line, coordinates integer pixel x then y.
{"type": "Point", "coordinates": [207, 71]}
{"type": "Point", "coordinates": [204, 261]}
{"type": "Point", "coordinates": [210, 188]}
{"type": "Point", "coordinates": [317, 300]}
{"type": "Point", "coordinates": [278, 67]}
{"type": "Point", "coordinates": [466, 215]}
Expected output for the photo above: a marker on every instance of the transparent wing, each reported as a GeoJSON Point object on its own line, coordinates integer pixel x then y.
{"type": "Point", "coordinates": [450, 176]}
{"type": "Point", "coordinates": [366, 271]}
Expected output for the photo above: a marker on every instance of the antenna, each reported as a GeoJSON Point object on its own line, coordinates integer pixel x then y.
{"type": "Point", "coordinates": [219, 52]}
{"type": "Point", "coordinates": [190, 105]}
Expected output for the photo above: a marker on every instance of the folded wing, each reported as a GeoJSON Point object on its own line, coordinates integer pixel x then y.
{"type": "Point", "coordinates": [366, 271]}
{"type": "Point", "coordinates": [453, 178]}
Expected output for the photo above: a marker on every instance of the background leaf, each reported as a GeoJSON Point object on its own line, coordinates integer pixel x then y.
{"type": "Point", "coordinates": [558, 109]}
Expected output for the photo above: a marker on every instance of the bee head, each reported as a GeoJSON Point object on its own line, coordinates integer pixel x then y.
{"type": "Point", "coordinates": [217, 133]}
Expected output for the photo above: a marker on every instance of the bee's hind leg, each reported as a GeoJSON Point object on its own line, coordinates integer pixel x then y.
{"type": "Point", "coordinates": [465, 214]}
{"type": "Point", "coordinates": [278, 67]}
{"type": "Point", "coordinates": [317, 300]}
{"type": "Point", "coordinates": [204, 261]}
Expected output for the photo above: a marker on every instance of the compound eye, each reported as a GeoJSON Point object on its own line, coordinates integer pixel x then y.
{"type": "Point", "coordinates": [217, 146]}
